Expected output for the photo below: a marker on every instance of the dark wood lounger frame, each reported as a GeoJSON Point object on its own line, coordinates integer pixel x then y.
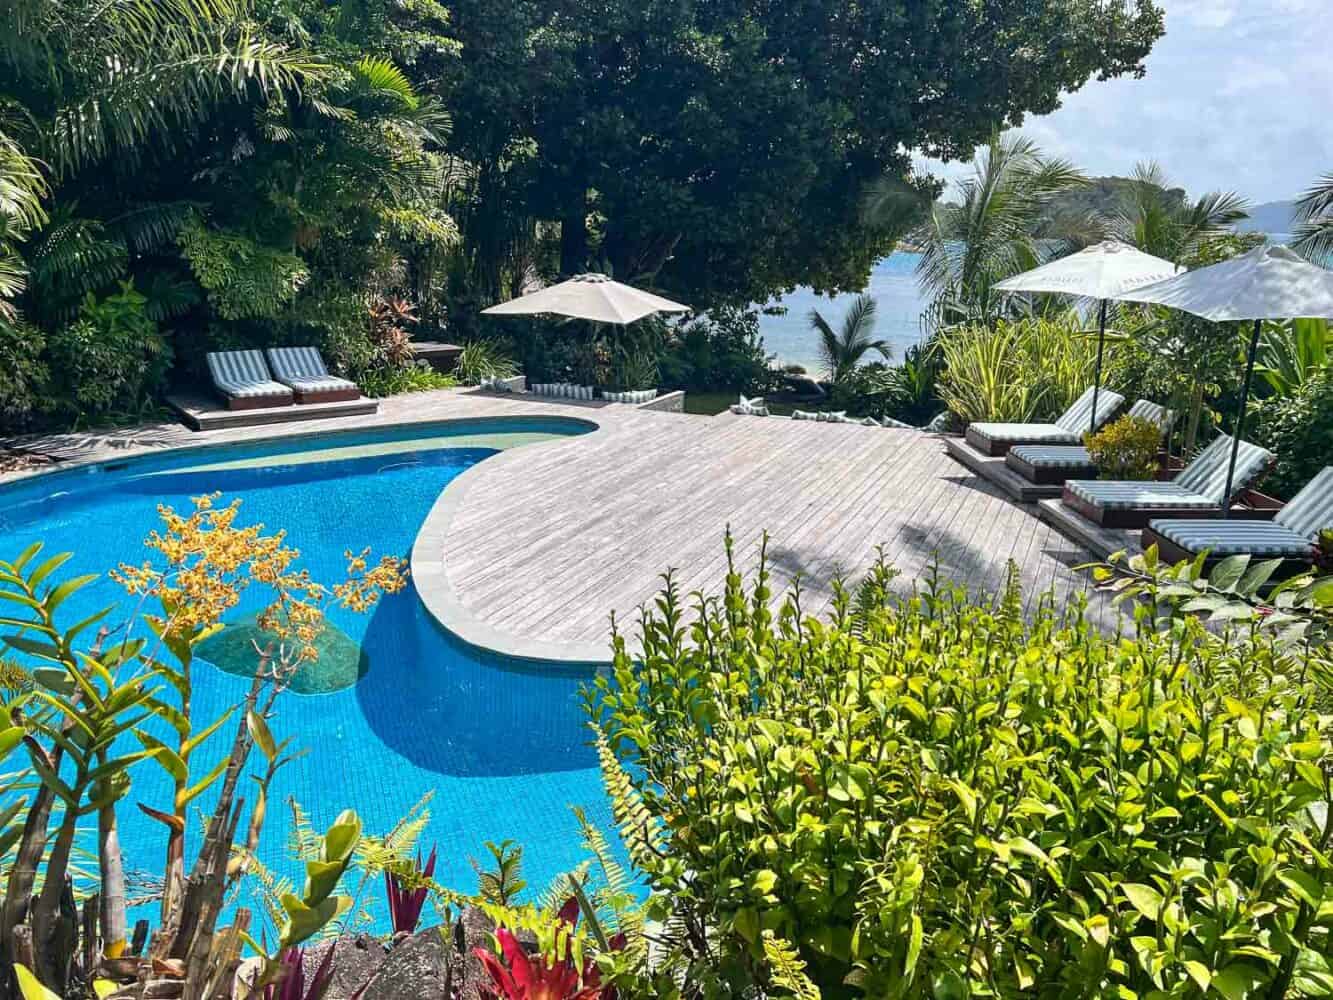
{"type": "Point", "coordinates": [255, 402]}
{"type": "Point", "coordinates": [328, 395]}
{"type": "Point", "coordinates": [1262, 508]}
{"type": "Point", "coordinates": [1049, 475]}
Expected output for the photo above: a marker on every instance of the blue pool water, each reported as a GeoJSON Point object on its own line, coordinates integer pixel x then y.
{"type": "Point", "coordinates": [501, 744]}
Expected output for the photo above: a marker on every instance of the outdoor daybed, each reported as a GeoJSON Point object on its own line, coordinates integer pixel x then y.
{"type": "Point", "coordinates": [304, 371]}
{"type": "Point", "coordinates": [1196, 492]}
{"type": "Point", "coordinates": [1291, 535]}
{"type": "Point", "coordinates": [243, 380]}
{"type": "Point", "coordinates": [996, 439]}
{"type": "Point", "coordinates": [1052, 464]}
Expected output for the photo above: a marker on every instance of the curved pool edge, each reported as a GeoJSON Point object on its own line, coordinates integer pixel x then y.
{"type": "Point", "coordinates": [427, 566]}
{"type": "Point", "coordinates": [443, 604]}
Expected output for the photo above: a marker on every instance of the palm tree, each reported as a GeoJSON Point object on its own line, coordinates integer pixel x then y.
{"type": "Point", "coordinates": [1161, 221]}
{"type": "Point", "coordinates": [842, 350]}
{"type": "Point", "coordinates": [1314, 231]}
{"type": "Point", "coordinates": [82, 80]}
{"type": "Point", "coordinates": [994, 231]}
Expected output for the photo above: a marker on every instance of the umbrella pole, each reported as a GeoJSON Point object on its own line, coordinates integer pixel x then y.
{"type": "Point", "coordinates": [1240, 417]}
{"type": "Point", "coordinates": [1097, 376]}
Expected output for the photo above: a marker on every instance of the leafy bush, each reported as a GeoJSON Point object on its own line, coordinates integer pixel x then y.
{"type": "Point", "coordinates": [1299, 429]}
{"type": "Point", "coordinates": [932, 797]}
{"type": "Point", "coordinates": [23, 375]}
{"type": "Point", "coordinates": [244, 278]}
{"type": "Point", "coordinates": [111, 360]}
{"type": "Point", "coordinates": [418, 377]}
{"type": "Point", "coordinates": [485, 359]}
{"type": "Point", "coordinates": [1019, 370]}
{"type": "Point", "coordinates": [1126, 448]}
{"type": "Point", "coordinates": [720, 351]}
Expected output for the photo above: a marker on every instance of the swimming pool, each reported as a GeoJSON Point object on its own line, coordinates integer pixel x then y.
{"type": "Point", "coordinates": [502, 744]}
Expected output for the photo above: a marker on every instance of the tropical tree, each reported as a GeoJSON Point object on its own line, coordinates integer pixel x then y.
{"type": "Point", "coordinates": [994, 230]}
{"type": "Point", "coordinates": [1160, 220]}
{"type": "Point", "coordinates": [85, 81]}
{"type": "Point", "coordinates": [726, 148]}
{"type": "Point", "coordinates": [841, 350]}
{"type": "Point", "coordinates": [1314, 229]}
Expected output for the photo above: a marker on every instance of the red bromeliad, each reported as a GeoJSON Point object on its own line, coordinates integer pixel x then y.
{"type": "Point", "coordinates": [405, 904]}
{"type": "Point", "coordinates": [535, 977]}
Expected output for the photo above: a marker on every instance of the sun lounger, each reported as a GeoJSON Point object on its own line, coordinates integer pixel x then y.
{"type": "Point", "coordinates": [243, 380]}
{"type": "Point", "coordinates": [1196, 492]}
{"type": "Point", "coordinates": [1052, 464]}
{"type": "Point", "coordinates": [303, 369]}
{"type": "Point", "coordinates": [1290, 535]}
{"type": "Point", "coordinates": [996, 439]}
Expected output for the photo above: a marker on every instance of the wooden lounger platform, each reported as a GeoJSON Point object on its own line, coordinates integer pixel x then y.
{"type": "Point", "coordinates": [201, 412]}
{"type": "Point", "coordinates": [1100, 541]}
{"type": "Point", "coordinates": [993, 469]}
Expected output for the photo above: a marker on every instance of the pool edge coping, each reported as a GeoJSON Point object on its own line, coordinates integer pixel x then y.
{"type": "Point", "coordinates": [443, 604]}
{"type": "Point", "coordinates": [428, 575]}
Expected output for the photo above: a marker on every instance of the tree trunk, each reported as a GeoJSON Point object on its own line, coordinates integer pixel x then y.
{"type": "Point", "coordinates": [112, 922]}
{"type": "Point", "coordinates": [574, 237]}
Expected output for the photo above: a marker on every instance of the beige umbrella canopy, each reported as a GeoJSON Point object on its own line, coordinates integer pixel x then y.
{"type": "Point", "coordinates": [1269, 282]}
{"type": "Point", "coordinates": [592, 297]}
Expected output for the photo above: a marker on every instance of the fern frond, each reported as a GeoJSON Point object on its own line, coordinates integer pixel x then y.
{"type": "Point", "coordinates": [787, 969]}
{"type": "Point", "coordinates": [303, 841]}
{"type": "Point", "coordinates": [640, 829]}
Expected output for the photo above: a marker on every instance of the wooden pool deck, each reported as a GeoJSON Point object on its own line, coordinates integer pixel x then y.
{"type": "Point", "coordinates": [529, 552]}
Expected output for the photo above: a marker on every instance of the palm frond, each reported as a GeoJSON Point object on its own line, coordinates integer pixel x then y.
{"type": "Point", "coordinates": [1313, 236]}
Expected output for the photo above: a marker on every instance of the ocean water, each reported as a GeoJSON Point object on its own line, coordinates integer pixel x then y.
{"type": "Point", "coordinates": [502, 745]}
{"type": "Point", "coordinates": [899, 305]}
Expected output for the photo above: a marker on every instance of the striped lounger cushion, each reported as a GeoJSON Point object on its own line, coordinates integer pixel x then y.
{"type": "Point", "coordinates": [1067, 429]}
{"type": "Point", "coordinates": [1290, 534]}
{"type": "Point", "coordinates": [302, 368]}
{"type": "Point", "coordinates": [1228, 538]}
{"type": "Point", "coordinates": [243, 375]}
{"type": "Point", "coordinates": [1045, 456]}
{"type": "Point", "coordinates": [1199, 486]}
{"type": "Point", "coordinates": [1054, 457]}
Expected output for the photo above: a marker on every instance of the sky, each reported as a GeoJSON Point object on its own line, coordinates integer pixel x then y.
{"type": "Point", "coordinates": [1238, 96]}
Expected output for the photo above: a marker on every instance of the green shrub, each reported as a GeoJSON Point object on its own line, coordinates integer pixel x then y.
{"type": "Point", "coordinates": [111, 361]}
{"type": "Point", "coordinates": [23, 375]}
{"type": "Point", "coordinates": [720, 351]}
{"type": "Point", "coordinates": [388, 381]}
{"type": "Point", "coordinates": [485, 359]}
{"type": "Point", "coordinates": [935, 798]}
{"type": "Point", "coordinates": [1299, 429]}
{"type": "Point", "coordinates": [1020, 370]}
{"type": "Point", "coordinates": [1126, 448]}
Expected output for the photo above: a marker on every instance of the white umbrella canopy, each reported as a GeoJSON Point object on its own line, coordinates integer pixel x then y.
{"type": "Point", "coordinates": [1269, 282]}
{"type": "Point", "coordinates": [1104, 271]}
{"type": "Point", "coordinates": [592, 297]}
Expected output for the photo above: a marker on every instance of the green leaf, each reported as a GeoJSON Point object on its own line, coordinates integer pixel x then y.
{"type": "Point", "coordinates": [1304, 885]}
{"type": "Point", "coordinates": [39, 575]}
{"type": "Point", "coordinates": [198, 788]}
{"type": "Point", "coordinates": [1143, 898]}
{"type": "Point", "coordinates": [58, 596]}
{"type": "Point", "coordinates": [30, 986]}
{"type": "Point", "coordinates": [199, 738]}
{"type": "Point", "coordinates": [764, 881]}
{"type": "Point", "coordinates": [260, 733]}
{"type": "Point", "coordinates": [1237, 981]}
{"type": "Point", "coordinates": [1228, 572]}
{"type": "Point", "coordinates": [167, 757]}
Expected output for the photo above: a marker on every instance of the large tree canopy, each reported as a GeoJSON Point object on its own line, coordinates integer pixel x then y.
{"type": "Point", "coordinates": [725, 146]}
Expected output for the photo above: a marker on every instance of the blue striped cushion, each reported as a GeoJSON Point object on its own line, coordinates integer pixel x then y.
{"type": "Point", "coordinates": [1046, 456]}
{"type": "Point", "coordinates": [243, 374]}
{"type": "Point", "coordinates": [1311, 510]}
{"type": "Point", "coordinates": [1024, 432]}
{"type": "Point", "coordinates": [1207, 471]}
{"type": "Point", "coordinates": [314, 383]}
{"type": "Point", "coordinates": [1077, 417]}
{"type": "Point", "coordinates": [1267, 539]}
{"type": "Point", "coordinates": [296, 362]}
{"type": "Point", "coordinates": [1125, 495]}
{"type": "Point", "coordinates": [1147, 410]}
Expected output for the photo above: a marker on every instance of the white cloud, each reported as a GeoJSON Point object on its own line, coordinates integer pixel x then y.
{"type": "Point", "coordinates": [1238, 96]}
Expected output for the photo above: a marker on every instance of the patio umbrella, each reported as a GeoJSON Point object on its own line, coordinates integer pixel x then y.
{"type": "Point", "coordinates": [1269, 282]}
{"type": "Point", "coordinates": [592, 297]}
{"type": "Point", "coordinates": [1104, 271]}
